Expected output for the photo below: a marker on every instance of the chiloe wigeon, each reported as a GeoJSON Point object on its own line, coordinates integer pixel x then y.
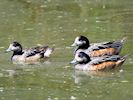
{"type": "Point", "coordinates": [30, 54]}
{"type": "Point", "coordinates": [83, 62]}
{"type": "Point", "coordinates": [97, 49]}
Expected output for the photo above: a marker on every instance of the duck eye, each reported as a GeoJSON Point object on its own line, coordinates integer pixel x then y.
{"type": "Point", "coordinates": [14, 45]}
{"type": "Point", "coordinates": [80, 40]}
{"type": "Point", "coordinates": [80, 55]}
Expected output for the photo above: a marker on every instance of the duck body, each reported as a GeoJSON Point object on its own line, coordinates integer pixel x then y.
{"type": "Point", "coordinates": [31, 54]}
{"type": "Point", "coordinates": [83, 62]}
{"type": "Point", "coordinates": [23, 58]}
{"type": "Point", "coordinates": [97, 49]}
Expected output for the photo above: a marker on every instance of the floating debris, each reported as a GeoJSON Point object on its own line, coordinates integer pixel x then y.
{"type": "Point", "coordinates": [121, 70]}
{"type": "Point", "coordinates": [60, 16]}
{"type": "Point", "coordinates": [1, 89]}
{"type": "Point", "coordinates": [67, 66]}
{"type": "Point", "coordinates": [2, 47]}
{"type": "Point", "coordinates": [68, 47]}
{"type": "Point", "coordinates": [86, 20]}
{"type": "Point", "coordinates": [29, 29]}
{"type": "Point", "coordinates": [75, 30]}
{"type": "Point", "coordinates": [104, 6]}
{"type": "Point", "coordinates": [43, 6]}
{"type": "Point", "coordinates": [124, 81]}
{"type": "Point", "coordinates": [73, 98]}
{"type": "Point", "coordinates": [60, 27]}
{"type": "Point", "coordinates": [97, 21]}
{"type": "Point", "coordinates": [39, 44]}
{"type": "Point", "coordinates": [62, 39]}
{"type": "Point", "coordinates": [49, 0]}
{"type": "Point", "coordinates": [11, 72]}
{"type": "Point", "coordinates": [28, 1]}
{"type": "Point", "coordinates": [29, 88]}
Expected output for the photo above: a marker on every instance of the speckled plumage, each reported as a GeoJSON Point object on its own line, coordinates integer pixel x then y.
{"type": "Point", "coordinates": [30, 54]}
{"type": "Point", "coordinates": [83, 62]}
{"type": "Point", "coordinates": [97, 49]}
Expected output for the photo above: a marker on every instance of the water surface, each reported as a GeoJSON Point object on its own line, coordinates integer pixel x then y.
{"type": "Point", "coordinates": [56, 23]}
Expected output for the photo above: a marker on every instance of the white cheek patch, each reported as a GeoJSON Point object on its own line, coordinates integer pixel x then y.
{"type": "Point", "coordinates": [77, 42]}
{"type": "Point", "coordinates": [12, 48]}
{"type": "Point", "coordinates": [77, 58]}
{"type": "Point", "coordinates": [77, 39]}
{"type": "Point", "coordinates": [84, 59]}
{"type": "Point", "coordinates": [15, 48]}
{"type": "Point", "coordinates": [84, 42]}
{"type": "Point", "coordinates": [11, 45]}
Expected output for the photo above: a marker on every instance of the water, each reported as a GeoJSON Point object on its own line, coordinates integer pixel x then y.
{"type": "Point", "coordinates": [56, 23]}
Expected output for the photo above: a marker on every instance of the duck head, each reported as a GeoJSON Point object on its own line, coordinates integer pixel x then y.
{"type": "Point", "coordinates": [81, 58]}
{"type": "Point", "coordinates": [15, 47]}
{"type": "Point", "coordinates": [81, 41]}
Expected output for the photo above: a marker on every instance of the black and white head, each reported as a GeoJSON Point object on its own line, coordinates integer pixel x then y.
{"type": "Point", "coordinates": [15, 46]}
{"type": "Point", "coordinates": [80, 41]}
{"type": "Point", "coordinates": [81, 58]}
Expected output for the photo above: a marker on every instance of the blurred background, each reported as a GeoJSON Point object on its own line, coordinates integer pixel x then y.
{"type": "Point", "coordinates": [56, 23]}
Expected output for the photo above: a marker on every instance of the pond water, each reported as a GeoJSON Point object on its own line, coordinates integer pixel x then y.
{"type": "Point", "coordinates": [56, 23]}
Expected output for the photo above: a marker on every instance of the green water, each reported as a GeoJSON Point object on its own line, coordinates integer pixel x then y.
{"type": "Point", "coordinates": [56, 23]}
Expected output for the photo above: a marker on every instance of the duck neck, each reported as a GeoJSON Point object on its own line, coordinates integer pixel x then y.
{"type": "Point", "coordinates": [16, 53]}
{"type": "Point", "coordinates": [19, 52]}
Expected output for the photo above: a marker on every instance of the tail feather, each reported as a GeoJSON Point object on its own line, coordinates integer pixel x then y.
{"type": "Point", "coordinates": [48, 52]}
{"type": "Point", "coordinates": [122, 60]}
{"type": "Point", "coordinates": [125, 57]}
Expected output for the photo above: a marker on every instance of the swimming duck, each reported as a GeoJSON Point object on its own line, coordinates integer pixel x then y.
{"type": "Point", "coordinates": [97, 49]}
{"type": "Point", "coordinates": [31, 54]}
{"type": "Point", "coordinates": [83, 62]}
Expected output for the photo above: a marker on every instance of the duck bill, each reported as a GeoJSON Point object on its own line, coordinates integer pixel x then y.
{"type": "Point", "coordinates": [74, 62]}
{"type": "Point", "coordinates": [78, 43]}
{"type": "Point", "coordinates": [8, 50]}
{"type": "Point", "coordinates": [74, 44]}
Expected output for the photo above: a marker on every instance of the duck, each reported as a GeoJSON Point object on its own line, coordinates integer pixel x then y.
{"type": "Point", "coordinates": [29, 54]}
{"type": "Point", "coordinates": [83, 62]}
{"type": "Point", "coordinates": [97, 49]}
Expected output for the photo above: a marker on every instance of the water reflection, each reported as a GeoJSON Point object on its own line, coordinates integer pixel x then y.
{"type": "Point", "coordinates": [35, 63]}
{"type": "Point", "coordinates": [84, 76]}
{"type": "Point", "coordinates": [57, 23]}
